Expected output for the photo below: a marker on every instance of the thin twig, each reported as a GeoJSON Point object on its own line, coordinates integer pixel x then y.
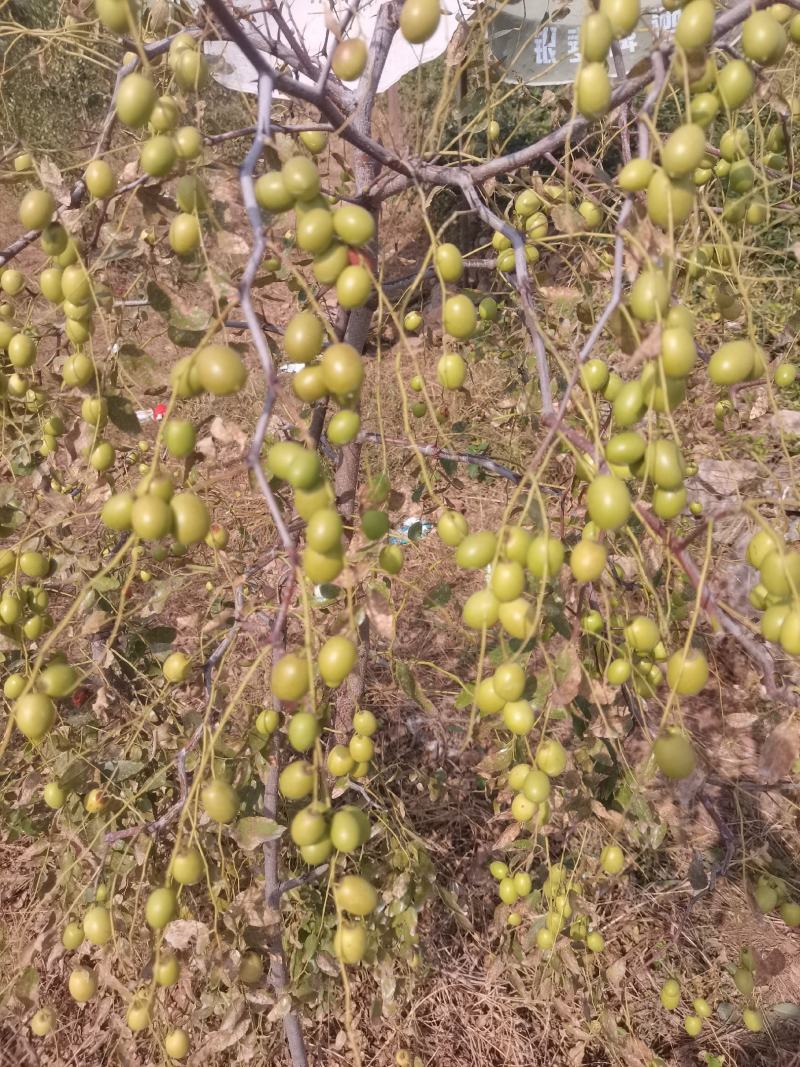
{"type": "Point", "coordinates": [437, 452]}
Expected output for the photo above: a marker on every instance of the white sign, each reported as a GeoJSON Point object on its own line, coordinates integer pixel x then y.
{"type": "Point", "coordinates": [309, 21]}
{"type": "Point", "coordinates": [538, 43]}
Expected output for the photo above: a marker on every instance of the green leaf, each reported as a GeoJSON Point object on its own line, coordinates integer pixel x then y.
{"type": "Point", "coordinates": [254, 830]}
{"type": "Point", "coordinates": [122, 414]}
{"type": "Point", "coordinates": [439, 595]}
{"type": "Point", "coordinates": [124, 769]}
{"type": "Point", "coordinates": [184, 338]}
{"type": "Point", "coordinates": [158, 300]}
{"type": "Point", "coordinates": [786, 1010]}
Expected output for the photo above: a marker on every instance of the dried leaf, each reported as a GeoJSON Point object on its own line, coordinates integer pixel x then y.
{"type": "Point", "coordinates": [615, 974]}
{"type": "Point", "coordinates": [566, 219]}
{"type": "Point", "coordinates": [511, 833]}
{"type": "Point", "coordinates": [227, 433]}
{"type": "Point", "coordinates": [182, 932]}
{"type": "Point", "coordinates": [254, 830]}
{"type": "Point", "coordinates": [568, 667]}
{"type": "Point", "coordinates": [380, 613]}
{"type": "Point", "coordinates": [780, 751]}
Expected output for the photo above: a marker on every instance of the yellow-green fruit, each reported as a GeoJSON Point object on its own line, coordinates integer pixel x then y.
{"type": "Point", "coordinates": [21, 351]}
{"type": "Point", "coordinates": [518, 717]}
{"type": "Point", "coordinates": [545, 556]}
{"type": "Point", "coordinates": [612, 859]}
{"type": "Point", "coordinates": [151, 517]}
{"type": "Point", "coordinates": [593, 90]}
{"type": "Point", "coordinates": [349, 59]}
{"type": "Point", "coordinates": [732, 363]}
{"type": "Point", "coordinates": [160, 908]}
{"type": "Point", "coordinates": [753, 1020]}
{"type": "Point", "coordinates": [683, 151]}
{"type": "Point", "coordinates": [34, 715]}
{"type": "Point", "coordinates": [50, 285]}
{"type": "Point", "coordinates": [42, 1022]}
{"type": "Point", "coordinates": [669, 202]}
{"type": "Point", "coordinates": [82, 984]}
{"type": "Point", "coordinates": [336, 659]}
{"type": "Point", "coordinates": [303, 730]}
{"type": "Point", "coordinates": [587, 560]}
{"type": "Point", "coordinates": [649, 297]}
{"type": "Point", "coordinates": [353, 287]}
{"type": "Point", "coordinates": [670, 994]}
{"type": "Point", "coordinates": [674, 754]}
{"type": "Point", "coordinates": [97, 925]}
{"type": "Point", "coordinates": [219, 370]}
{"type": "Point", "coordinates": [191, 520]}
{"type": "Point", "coordinates": [735, 84]}
{"type": "Point", "coordinates": [308, 384]}
{"type": "Point", "coordinates": [350, 942]}
{"type": "Point", "coordinates": [419, 20]}
{"type": "Point", "coordinates": [136, 99]}
{"type": "Point", "coordinates": [693, 1024]}
{"type": "Point", "coordinates": [551, 757]}
{"type": "Point", "coordinates": [508, 681]}
{"type": "Point", "coordinates": [314, 230]}
{"type": "Point", "coordinates": [596, 37]}
{"type": "Point", "coordinates": [481, 610]}
{"type": "Point", "coordinates": [157, 156]}
{"type": "Point", "coordinates": [36, 209]}
{"type": "Point", "coordinates": [391, 559]}
{"type": "Point", "coordinates": [75, 284]}
{"type": "Point", "coordinates": [342, 368]}
{"type": "Point", "coordinates": [184, 234]}
{"type": "Point", "coordinates": [53, 239]}
{"type": "Point", "coordinates": [451, 370]}
{"type": "Point", "coordinates": [487, 699]}
{"type": "Point", "coordinates": [251, 968]}
{"type": "Point", "coordinates": [608, 502]}
{"type": "Point", "coordinates": [308, 826]}
{"type": "Point", "coordinates": [272, 194]}
{"type": "Point", "coordinates": [290, 677]}
{"type": "Point", "coordinates": [164, 116]}
{"type": "Point", "coordinates": [301, 177]}
{"type": "Point", "coordinates": [190, 69]}
{"type": "Point", "coordinates": [119, 16]}
{"type": "Point", "coordinates": [354, 225]}
{"type": "Point", "coordinates": [448, 262]}
{"type": "Point", "coordinates": [687, 674]}
{"type": "Point", "coordinates": [695, 25]}
{"type": "Point", "coordinates": [594, 375]}
{"type": "Point", "coordinates": [537, 784]}
{"type": "Point", "coordinates": [622, 14]}
{"type": "Point", "coordinates": [452, 528]}
{"type": "Point", "coordinates": [188, 143]}
{"type": "Point", "coordinates": [54, 795]}
{"type": "Point", "coordinates": [355, 895]}
{"type": "Point", "coordinates": [702, 1007]}
{"type": "Point", "coordinates": [72, 936]}
{"type": "Point", "coordinates": [138, 1015]}
{"type": "Point", "coordinates": [176, 1044]}
{"type": "Point", "coordinates": [321, 567]}
{"type": "Point", "coordinates": [11, 281]}
{"type": "Point", "coordinates": [460, 316]}
{"type": "Point", "coordinates": [302, 340]}
{"type": "Point", "coordinates": [219, 801]}
{"type": "Point", "coordinates": [635, 175]}
{"type": "Point", "coordinates": [477, 550]}
{"type": "Point", "coordinates": [790, 913]}
{"type": "Point", "coordinates": [296, 780]}
{"type": "Point", "coordinates": [187, 866]}
{"type": "Point", "coordinates": [763, 38]}
{"type": "Point", "coordinates": [678, 352]}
